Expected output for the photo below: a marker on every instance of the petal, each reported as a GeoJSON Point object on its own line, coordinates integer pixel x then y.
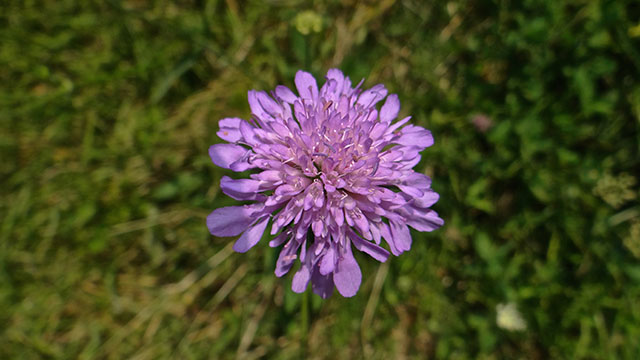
{"type": "Point", "coordinates": [246, 130]}
{"type": "Point", "coordinates": [375, 233]}
{"type": "Point", "coordinates": [322, 284]}
{"type": "Point", "coordinates": [406, 164]}
{"type": "Point", "coordinates": [412, 135]}
{"type": "Point", "coordinates": [281, 129]}
{"type": "Point", "coordinates": [256, 107]}
{"type": "Point", "coordinates": [229, 129]}
{"type": "Point", "coordinates": [241, 165]}
{"type": "Point", "coordinates": [303, 250]}
{"type": "Point", "coordinates": [390, 109]}
{"type": "Point", "coordinates": [410, 153]}
{"type": "Point", "coordinates": [251, 237]}
{"type": "Point", "coordinates": [306, 84]}
{"type": "Point", "coordinates": [240, 189]}
{"type": "Point", "coordinates": [268, 104]}
{"type": "Point", "coordinates": [229, 221]}
{"type": "Point", "coordinates": [328, 90]}
{"type": "Point", "coordinates": [317, 226]}
{"type": "Point", "coordinates": [429, 198]}
{"type": "Point", "coordinates": [362, 222]}
{"type": "Point", "coordinates": [392, 154]}
{"type": "Point", "coordinates": [347, 275]}
{"type": "Point", "coordinates": [398, 123]}
{"type": "Point", "coordinates": [301, 279]}
{"type": "Point", "coordinates": [338, 215]}
{"type": "Point", "coordinates": [224, 155]}
{"type": "Point", "coordinates": [338, 77]}
{"type": "Point", "coordinates": [386, 234]}
{"type": "Point", "coordinates": [285, 94]}
{"type": "Point", "coordinates": [425, 221]}
{"type": "Point", "coordinates": [279, 240]}
{"type": "Point", "coordinates": [274, 176]}
{"type": "Point", "coordinates": [328, 262]}
{"type": "Point", "coordinates": [410, 190]}
{"type": "Point", "coordinates": [401, 236]}
{"type": "Point", "coordinates": [368, 247]}
{"type": "Point", "coordinates": [346, 86]}
{"type": "Point", "coordinates": [287, 257]}
{"type": "Point", "coordinates": [287, 190]}
{"type": "Point", "coordinates": [371, 96]}
{"type": "Point", "coordinates": [417, 180]}
{"type": "Point", "coordinates": [378, 130]}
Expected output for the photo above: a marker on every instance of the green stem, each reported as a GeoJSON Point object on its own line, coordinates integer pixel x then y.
{"type": "Point", "coordinates": [305, 323]}
{"type": "Point", "coordinates": [307, 56]}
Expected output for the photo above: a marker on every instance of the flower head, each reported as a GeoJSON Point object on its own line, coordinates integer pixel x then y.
{"type": "Point", "coordinates": [331, 172]}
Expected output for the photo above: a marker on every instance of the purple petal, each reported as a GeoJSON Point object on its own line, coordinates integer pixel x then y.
{"type": "Point", "coordinates": [317, 227]}
{"type": "Point", "coordinates": [414, 192]}
{"type": "Point", "coordinates": [346, 86]}
{"type": "Point", "coordinates": [280, 129]}
{"type": "Point", "coordinates": [303, 250]}
{"type": "Point", "coordinates": [338, 77]}
{"type": "Point", "coordinates": [246, 130]}
{"type": "Point", "coordinates": [361, 221]}
{"type": "Point", "coordinates": [224, 155]}
{"type": "Point", "coordinates": [368, 247]}
{"type": "Point", "coordinates": [287, 257]}
{"type": "Point", "coordinates": [268, 104]}
{"type": "Point", "coordinates": [347, 275]}
{"type": "Point", "coordinates": [378, 130]}
{"type": "Point", "coordinates": [375, 234]}
{"type": "Point", "coordinates": [322, 284]}
{"type": "Point", "coordinates": [371, 96]}
{"type": "Point", "coordinates": [401, 236]}
{"type": "Point", "coordinates": [390, 109]}
{"type": "Point", "coordinates": [412, 135]}
{"type": "Point", "coordinates": [229, 221]}
{"type": "Point", "coordinates": [241, 165]}
{"type": "Point", "coordinates": [279, 240]}
{"type": "Point", "coordinates": [229, 129]}
{"type": "Point", "coordinates": [417, 180]}
{"type": "Point", "coordinates": [286, 190]}
{"type": "Point", "coordinates": [386, 234]}
{"type": "Point", "coordinates": [408, 154]}
{"type": "Point", "coordinates": [241, 189]}
{"type": "Point", "coordinates": [429, 198]}
{"type": "Point", "coordinates": [338, 215]}
{"type": "Point", "coordinates": [256, 107]}
{"type": "Point", "coordinates": [427, 220]}
{"type": "Point", "coordinates": [274, 176]}
{"type": "Point", "coordinates": [392, 155]}
{"type": "Point", "coordinates": [306, 84]}
{"type": "Point", "coordinates": [409, 163]}
{"type": "Point", "coordinates": [328, 90]}
{"type": "Point", "coordinates": [398, 123]}
{"type": "Point", "coordinates": [251, 237]}
{"type": "Point", "coordinates": [285, 94]}
{"type": "Point", "coordinates": [328, 262]}
{"type": "Point", "coordinates": [301, 279]}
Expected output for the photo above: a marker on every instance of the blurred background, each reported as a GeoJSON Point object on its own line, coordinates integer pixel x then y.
{"type": "Point", "coordinates": [107, 109]}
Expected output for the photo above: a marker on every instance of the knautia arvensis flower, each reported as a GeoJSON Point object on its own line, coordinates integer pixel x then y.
{"type": "Point", "coordinates": [331, 172]}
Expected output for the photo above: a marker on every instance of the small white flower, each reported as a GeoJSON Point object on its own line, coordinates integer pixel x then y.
{"type": "Point", "coordinates": [509, 318]}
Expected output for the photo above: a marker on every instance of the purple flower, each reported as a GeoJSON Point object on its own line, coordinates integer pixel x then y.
{"type": "Point", "coordinates": [327, 163]}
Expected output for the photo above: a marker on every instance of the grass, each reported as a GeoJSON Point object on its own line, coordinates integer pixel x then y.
{"type": "Point", "coordinates": [107, 109]}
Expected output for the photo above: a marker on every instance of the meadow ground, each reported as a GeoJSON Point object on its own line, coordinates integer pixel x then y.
{"type": "Point", "coordinates": [107, 109]}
